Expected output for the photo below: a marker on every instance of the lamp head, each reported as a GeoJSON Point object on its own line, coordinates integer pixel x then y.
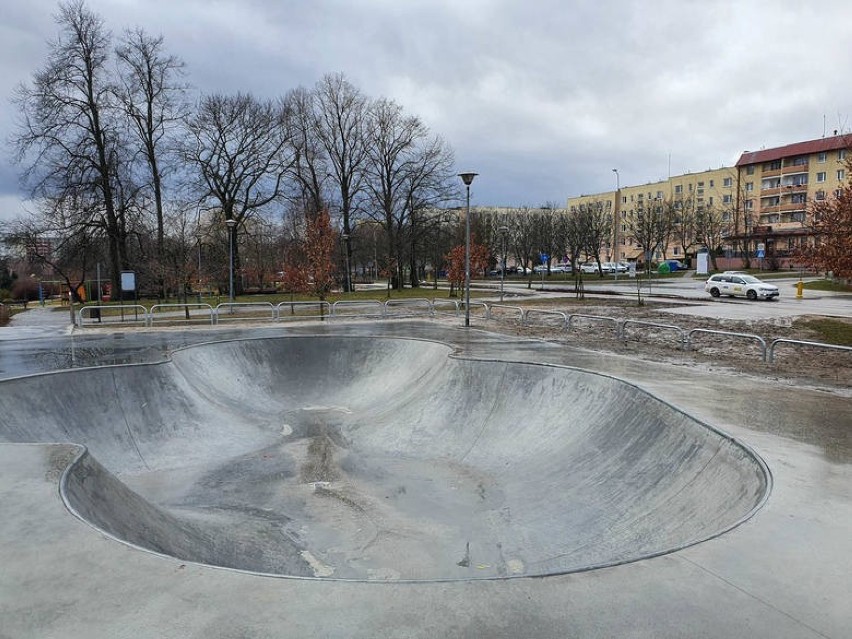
{"type": "Point", "coordinates": [467, 178]}
{"type": "Point", "coordinates": [231, 223]}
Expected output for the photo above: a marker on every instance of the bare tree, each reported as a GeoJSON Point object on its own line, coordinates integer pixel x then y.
{"type": "Point", "coordinates": [311, 169]}
{"type": "Point", "coordinates": [152, 101]}
{"type": "Point", "coordinates": [407, 171]}
{"type": "Point", "coordinates": [342, 112]}
{"type": "Point", "coordinates": [712, 229]}
{"type": "Point", "coordinates": [595, 222]}
{"type": "Point", "coordinates": [684, 218]}
{"type": "Point", "coordinates": [68, 137]}
{"type": "Point", "coordinates": [240, 147]}
{"type": "Point", "coordinates": [644, 228]}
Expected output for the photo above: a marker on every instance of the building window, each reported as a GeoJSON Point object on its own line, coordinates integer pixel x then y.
{"type": "Point", "coordinates": [820, 195]}
{"type": "Point", "coordinates": [676, 251]}
{"type": "Point", "coordinates": [710, 200]}
{"type": "Point", "coordinates": [841, 154]}
{"type": "Point", "coordinates": [749, 186]}
{"type": "Point", "coordinates": [750, 170]}
{"type": "Point", "coordinates": [728, 182]}
{"type": "Point", "coordinates": [726, 199]}
{"type": "Point", "coordinates": [711, 184]}
{"type": "Point", "coordinates": [623, 228]}
{"type": "Point", "coordinates": [679, 188]}
{"type": "Point", "coordinates": [749, 205]}
{"type": "Point", "coordinates": [624, 199]}
{"type": "Point", "coordinates": [822, 157]}
{"type": "Point", "coordinates": [821, 176]}
{"type": "Point", "coordinates": [701, 185]}
{"type": "Point", "coordinates": [837, 192]}
{"type": "Point", "coordinates": [840, 175]}
{"type": "Point", "coordinates": [726, 216]}
{"type": "Point", "coordinates": [800, 161]}
{"type": "Point", "coordinates": [690, 188]}
{"type": "Point", "coordinates": [659, 195]}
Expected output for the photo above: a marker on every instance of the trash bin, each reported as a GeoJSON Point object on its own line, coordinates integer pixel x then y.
{"type": "Point", "coordinates": [96, 314]}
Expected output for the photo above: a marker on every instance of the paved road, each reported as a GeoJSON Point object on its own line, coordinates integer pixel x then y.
{"type": "Point", "coordinates": [692, 291]}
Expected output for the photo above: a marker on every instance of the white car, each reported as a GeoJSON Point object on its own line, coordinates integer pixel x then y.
{"type": "Point", "coordinates": [733, 285]}
{"type": "Point", "coordinates": [613, 267]}
{"type": "Point", "coordinates": [589, 267]}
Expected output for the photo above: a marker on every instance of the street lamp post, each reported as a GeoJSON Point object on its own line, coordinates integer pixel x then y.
{"type": "Point", "coordinates": [467, 178]}
{"type": "Point", "coordinates": [504, 231]}
{"type": "Point", "coordinates": [617, 209]}
{"type": "Point", "coordinates": [345, 238]}
{"type": "Point", "coordinates": [231, 225]}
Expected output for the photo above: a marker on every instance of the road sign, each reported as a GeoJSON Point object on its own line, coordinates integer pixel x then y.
{"type": "Point", "coordinates": [544, 257]}
{"type": "Point", "coordinates": [761, 253]}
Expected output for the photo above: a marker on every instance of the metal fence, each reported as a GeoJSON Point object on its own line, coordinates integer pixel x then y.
{"type": "Point", "coordinates": [198, 313]}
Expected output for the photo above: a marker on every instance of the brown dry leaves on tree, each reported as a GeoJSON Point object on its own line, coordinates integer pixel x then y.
{"type": "Point", "coordinates": [831, 226]}
{"type": "Point", "coordinates": [319, 251]}
{"type": "Point", "coordinates": [455, 258]}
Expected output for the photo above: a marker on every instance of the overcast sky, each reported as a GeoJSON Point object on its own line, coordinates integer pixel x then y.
{"type": "Point", "coordinates": [543, 99]}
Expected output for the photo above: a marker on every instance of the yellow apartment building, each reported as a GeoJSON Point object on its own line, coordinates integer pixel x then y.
{"type": "Point", "coordinates": [712, 188]}
{"type": "Point", "coordinates": [775, 187]}
{"type": "Point", "coordinates": [763, 199]}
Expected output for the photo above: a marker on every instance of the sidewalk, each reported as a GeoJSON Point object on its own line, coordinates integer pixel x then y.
{"type": "Point", "coordinates": [38, 321]}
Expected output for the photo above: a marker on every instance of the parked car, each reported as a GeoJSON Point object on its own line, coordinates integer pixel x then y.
{"type": "Point", "coordinates": [589, 267]}
{"type": "Point", "coordinates": [614, 267]}
{"type": "Point", "coordinates": [734, 285]}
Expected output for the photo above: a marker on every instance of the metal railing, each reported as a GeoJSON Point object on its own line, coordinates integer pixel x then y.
{"type": "Point", "coordinates": [531, 312]}
{"type": "Point", "coordinates": [622, 332]}
{"type": "Point", "coordinates": [373, 308]}
{"type": "Point", "coordinates": [489, 311]}
{"type": "Point", "coordinates": [321, 309]}
{"type": "Point", "coordinates": [409, 306]}
{"type": "Point", "coordinates": [171, 312]}
{"type": "Point", "coordinates": [135, 314]}
{"type": "Point", "coordinates": [87, 315]}
{"type": "Point", "coordinates": [758, 338]}
{"type": "Point", "coordinates": [803, 343]}
{"type": "Point", "coordinates": [595, 318]}
{"type": "Point", "coordinates": [248, 310]}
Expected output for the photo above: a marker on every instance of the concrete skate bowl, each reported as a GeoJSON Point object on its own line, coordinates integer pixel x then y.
{"type": "Point", "coordinates": [382, 459]}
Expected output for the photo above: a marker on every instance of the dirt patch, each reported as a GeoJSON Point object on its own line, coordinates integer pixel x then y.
{"type": "Point", "coordinates": [797, 363]}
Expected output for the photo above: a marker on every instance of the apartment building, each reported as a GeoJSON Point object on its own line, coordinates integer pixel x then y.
{"type": "Point", "coordinates": [775, 187]}
{"type": "Point", "coordinates": [763, 199]}
{"type": "Point", "coordinates": [712, 188]}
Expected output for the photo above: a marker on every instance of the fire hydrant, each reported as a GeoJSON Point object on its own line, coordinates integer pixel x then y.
{"type": "Point", "coordinates": [800, 289]}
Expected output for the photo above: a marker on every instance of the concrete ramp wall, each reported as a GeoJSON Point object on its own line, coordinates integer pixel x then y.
{"type": "Point", "coordinates": [385, 459]}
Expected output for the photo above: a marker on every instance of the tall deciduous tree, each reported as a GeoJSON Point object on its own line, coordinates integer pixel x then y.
{"type": "Point", "coordinates": [68, 137]}
{"type": "Point", "coordinates": [712, 227]}
{"type": "Point", "coordinates": [239, 146]}
{"type": "Point", "coordinates": [341, 129]}
{"type": "Point", "coordinates": [152, 99]}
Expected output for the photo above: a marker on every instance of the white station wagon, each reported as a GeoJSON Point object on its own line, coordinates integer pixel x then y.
{"type": "Point", "coordinates": [740, 284]}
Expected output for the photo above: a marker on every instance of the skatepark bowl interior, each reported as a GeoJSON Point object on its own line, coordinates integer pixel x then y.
{"type": "Point", "coordinates": [382, 459]}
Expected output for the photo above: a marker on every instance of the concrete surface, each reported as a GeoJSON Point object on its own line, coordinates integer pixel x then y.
{"type": "Point", "coordinates": [382, 459]}
{"type": "Point", "coordinates": [783, 573]}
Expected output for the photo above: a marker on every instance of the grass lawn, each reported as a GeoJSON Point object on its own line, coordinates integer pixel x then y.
{"type": "Point", "coordinates": [831, 331]}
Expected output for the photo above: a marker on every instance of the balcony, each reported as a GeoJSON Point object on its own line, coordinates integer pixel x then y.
{"type": "Point", "coordinates": [786, 170]}
{"type": "Point", "coordinates": [782, 208]}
